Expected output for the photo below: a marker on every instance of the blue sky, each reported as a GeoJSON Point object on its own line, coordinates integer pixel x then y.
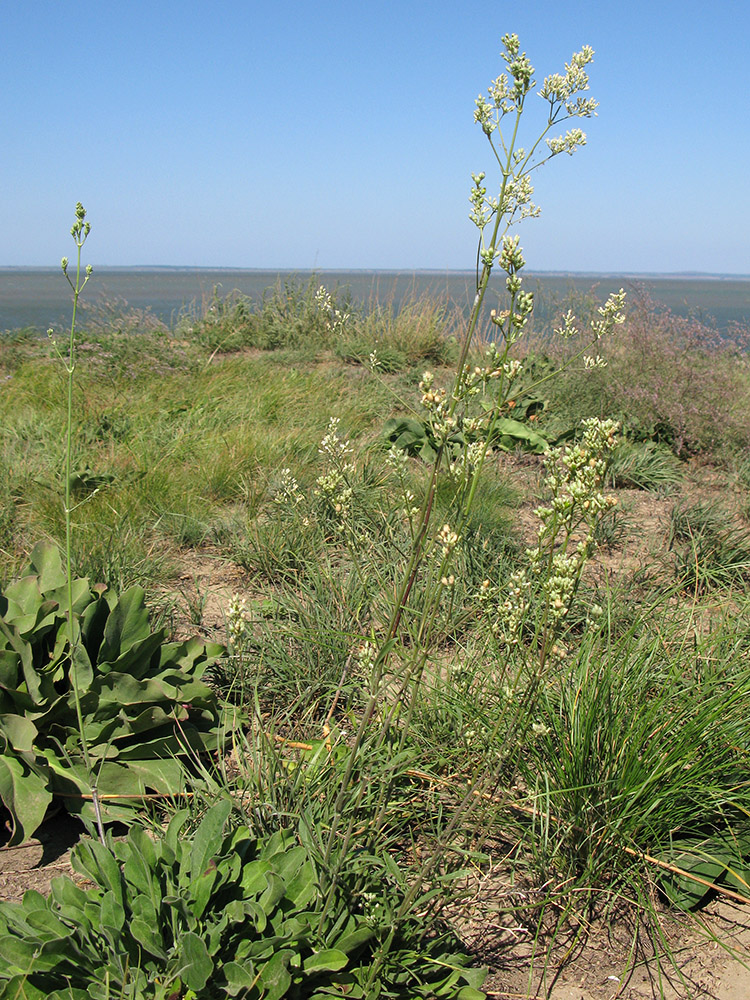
{"type": "Point", "coordinates": [340, 134]}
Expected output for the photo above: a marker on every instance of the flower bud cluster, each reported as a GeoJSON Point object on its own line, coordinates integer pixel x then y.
{"type": "Point", "coordinates": [482, 206]}
{"type": "Point", "coordinates": [574, 481]}
{"type": "Point", "coordinates": [470, 456]}
{"type": "Point", "coordinates": [511, 255]}
{"type": "Point", "coordinates": [559, 587]}
{"type": "Point", "coordinates": [591, 362]}
{"type": "Point", "coordinates": [435, 401]}
{"type": "Point", "coordinates": [238, 624]}
{"type": "Point", "coordinates": [576, 473]}
{"type": "Point", "coordinates": [508, 90]}
{"type": "Point", "coordinates": [334, 488]}
{"type": "Point", "coordinates": [332, 444]}
{"type": "Point", "coordinates": [433, 398]}
{"type": "Point", "coordinates": [366, 655]}
{"type": "Point", "coordinates": [397, 460]}
{"type": "Point", "coordinates": [80, 229]}
{"type": "Point", "coordinates": [512, 606]}
{"type": "Point", "coordinates": [447, 539]}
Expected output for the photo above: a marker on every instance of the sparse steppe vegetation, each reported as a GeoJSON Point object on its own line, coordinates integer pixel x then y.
{"type": "Point", "coordinates": [631, 754]}
{"type": "Point", "coordinates": [470, 684]}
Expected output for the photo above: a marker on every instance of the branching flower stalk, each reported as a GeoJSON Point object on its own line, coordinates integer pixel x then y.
{"type": "Point", "coordinates": [494, 216]}
{"type": "Point", "coordinates": [79, 231]}
{"type": "Point", "coordinates": [448, 412]}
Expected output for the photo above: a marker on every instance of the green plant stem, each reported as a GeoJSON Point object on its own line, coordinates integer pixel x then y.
{"type": "Point", "coordinates": [80, 232]}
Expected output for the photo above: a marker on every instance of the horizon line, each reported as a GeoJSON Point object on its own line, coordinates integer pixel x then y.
{"type": "Point", "coordinates": [551, 272]}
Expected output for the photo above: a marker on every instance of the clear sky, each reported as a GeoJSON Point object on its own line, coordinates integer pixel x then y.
{"type": "Point", "coordinates": [340, 134]}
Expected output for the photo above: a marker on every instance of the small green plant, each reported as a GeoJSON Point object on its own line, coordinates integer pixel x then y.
{"type": "Point", "coordinates": [138, 716]}
{"type": "Point", "coordinates": [214, 915]}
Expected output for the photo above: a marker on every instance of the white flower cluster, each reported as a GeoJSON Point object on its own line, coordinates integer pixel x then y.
{"type": "Point", "coordinates": [332, 444]}
{"type": "Point", "coordinates": [574, 480]}
{"type": "Point", "coordinates": [611, 314]}
{"type": "Point", "coordinates": [366, 655]}
{"type": "Point", "coordinates": [572, 140]}
{"type": "Point", "coordinates": [333, 484]}
{"type": "Point", "coordinates": [512, 604]}
{"type": "Point", "coordinates": [517, 197]}
{"type": "Point", "coordinates": [562, 90]}
{"type": "Point", "coordinates": [590, 362]}
{"type": "Point", "coordinates": [470, 456]}
{"type": "Point", "coordinates": [335, 320]}
{"type": "Point", "coordinates": [288, 491]}
{"type": "Point", "coordinates": [397, 460]}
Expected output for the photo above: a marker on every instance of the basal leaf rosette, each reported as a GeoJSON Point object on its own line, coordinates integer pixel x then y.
{"type": "Point", "coordinates": [146, 710]}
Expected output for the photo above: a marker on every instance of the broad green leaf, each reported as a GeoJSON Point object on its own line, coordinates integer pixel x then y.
{"type": "Point", "coordinates": [19, 988]}
{"type": "Point", "coordinates": [330, 960]}
{"type": "Point", "coordinates": [24, 600]}
{"type": "Point", "coordinates": [275, 888]}
{"type": "Point", "coordinates": [96, 861]}
{"type": "Point", "coordinates": [10, 667]}
{"type": "Point", "coordinates": [81, 664]}
{"type": "Point", "coordinates": [112, 913]}
{"type": "Point", "coordinates": [274, 976]}
{"type": "Point", "coordinates": [18, 731]}
{"type": "Point", "coordinates": [172, 836]}
{"type": "Point", "coordinates": [23, 955]}
{"type": "Point", "coordinates": [196, 964]}
{"type": "Point", "coordinates": [353, 939]}
{"type": "Point", "coordinates": [201, 887]}
{"type": "Point", "coordinates": [127, 624]}
{"type": "Point", "coordinates": [209, 836]}
{"type": "Point", "coordinates": [239, 977]}
{"type": "Point", "coordinates": [302, 888]}
{"type": "Point", "coordinates": [46, 562]}
{"type": "Point", "coordinates": [14, 641]}
{"type": "Point", "coordinates": [25, 792]}
{"type": "Point", "coordinates": [47, 926]}
{"type": "Point", "coordinates": [146, 934]}
{"type": "Point", "coordinates": [68, 895]}
{"type": "Point", "coordinates": [163, 776]}
{"type": "Point", "coordinates": [136, 660]}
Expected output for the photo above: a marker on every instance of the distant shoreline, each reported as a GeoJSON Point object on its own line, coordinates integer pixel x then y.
{"type": "Point", "coordinates": [427, 271]}
{"type": "Point", "coordinates": [38, 298]}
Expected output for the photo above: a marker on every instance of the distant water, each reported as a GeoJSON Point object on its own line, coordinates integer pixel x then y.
{"type": "Point", "coordinates": [39, 298]}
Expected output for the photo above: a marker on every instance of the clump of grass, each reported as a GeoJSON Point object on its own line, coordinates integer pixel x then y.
{"type": "Point", "coordinates": [420, 331]}
{"type": "Point", "coordinates": [612, 529]}
{"type": "Point", "coordinates": [711, 550]}
{"type": "Point", "coordinates": [638, 743]}
{"type": "Point", "coordinates": [287, 316]}
{"type": "Point", "coordinates": [644, 465]}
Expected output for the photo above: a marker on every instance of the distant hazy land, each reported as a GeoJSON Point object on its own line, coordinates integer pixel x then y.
{"type": "Point", "coordinates": [39, 297]}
